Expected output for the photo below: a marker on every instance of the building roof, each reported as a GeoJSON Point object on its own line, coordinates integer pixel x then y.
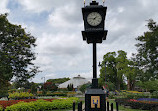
{"type": "Point", "coordinates": [76, 81]}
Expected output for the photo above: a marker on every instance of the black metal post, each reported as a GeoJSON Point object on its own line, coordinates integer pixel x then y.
{"type": "Point", "coordinates": [107, 106]}
{"type": "Point", "coordinates": [73, 106]}
{"type": "Point", "coordinates": [94, 60]}
{"type": "Point", "coordinates": [105, 73]}
{"type": "Point", "coordinates": [111, 106]}
{"type": "Point", "coordinates": [80, 106]}
{"type": "Point", "coordinates": [94, 80]}
{"type": "Point", "coordinates": [117, 106]}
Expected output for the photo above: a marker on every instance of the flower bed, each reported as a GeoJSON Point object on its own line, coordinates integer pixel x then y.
{"type": "Point", "coordinates": [43, 105]}
{"type": "Point", "coordinates": [52, 94]}
{"type": "Point", "coordinates": [148, 99]}
{"type": "Point", "coordinates": [4, 104]}
{"type": "Point", "coordinates": [20, 95]}
{"type": "Point", "coordinates": [138, 104]}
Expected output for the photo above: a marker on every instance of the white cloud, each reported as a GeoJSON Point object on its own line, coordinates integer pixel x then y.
{"type": "Point", "coordinates": [121, 9]}
{"type": "Point", "coordinates": [61, 50]}
{"type": "Point", "coordinates": [65, 17]}
{"type": "Point", "coordinates": [58, 44]}
{"type": "Point", "coordinates": [37, 6]}
{"type": "Point", "coordinates": [3, 6]}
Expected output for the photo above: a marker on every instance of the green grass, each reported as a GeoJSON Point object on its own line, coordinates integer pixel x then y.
{"type": "Point", "coordinates": [122, 108]}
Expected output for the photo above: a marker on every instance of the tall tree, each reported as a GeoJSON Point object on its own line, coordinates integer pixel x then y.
{"type": "Point", "coordinates": [147, 56]}
{"type": "Point", "coordinates": [131, 72]}
{"type": "Point", "coordinates": [116, 64]}
{"type": "Point", "coordinates": [121, 66]}
{"type": "Point", "coordinates": [16, 53]}
{"type": "Point", "coordinates": [111, 72]}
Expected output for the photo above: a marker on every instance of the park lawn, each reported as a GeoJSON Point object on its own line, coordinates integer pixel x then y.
{"type": "Point", "coordinates": [122, 108]}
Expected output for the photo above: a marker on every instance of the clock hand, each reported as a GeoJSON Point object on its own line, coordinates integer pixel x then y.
{"type": "Point", "coordinates": [94, 17]}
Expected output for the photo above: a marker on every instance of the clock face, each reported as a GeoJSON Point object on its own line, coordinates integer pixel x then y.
{"type": "Point", "coordinates": [94, 19]}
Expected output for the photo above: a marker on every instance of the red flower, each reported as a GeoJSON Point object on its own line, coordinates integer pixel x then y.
{"type": "Point", "coordinates": [4, 104]}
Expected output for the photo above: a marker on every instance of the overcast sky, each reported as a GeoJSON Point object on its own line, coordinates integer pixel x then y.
{"type": "Point", "coordinates": [57, 25]}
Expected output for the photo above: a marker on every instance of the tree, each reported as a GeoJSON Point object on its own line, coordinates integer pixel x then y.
{"type": "Point", "coordinates": [59, 80]}
{"type": "Point", "coordinates": [148, 85]}
{"type": "Point", "coordinates": [49, 86]}
{"type": "Point", "coordinates": [70, 87]}
{"type": "Point", "coordinates": [34, 87]}
{"type": "Point", "coordinates": [116, 69]}
{"type": "Point", "coordinates": [147, 56]}
{"type": "Point", "coordinates": [131, 72]}
{"type": "Point", "coordinates": [25, 84]}
{"type": "Point", "coordinates": [84, 87]}
{"type": "Point", "coordinates": [121, 66]}
{"type": "Point", "coordinates": [16, 54]}
{"type": "Point", "coordinates": [110, 68]}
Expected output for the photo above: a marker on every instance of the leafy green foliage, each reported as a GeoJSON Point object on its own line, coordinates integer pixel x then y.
{"type": "Point", "coordinates": [149, 85]}
{"type": "Point", "coordinates": [16, 54]}
{"type": "Point", "coordinates": [1, 109]}
{"type": "Point", "coordinates": [49, 86]}
{"type": "Point", "coordinates": [25, 84]}
{"type": "Point", "coordinates": [64, 103]}
{"type": "Point", "coordinates": [20, 95]}
{"type": "Point", "coordinates": [117, 67]}
{"type": "Point", "coordinates": [4, 89]}
{"type": "Point", "coordinates": [147, 56]}
{"type": "Point", "coordinates": [34, 88]}
{"type": "Point", "coordinates": [84, 87]}
{"type": "Point", "coordinates": [70, 87]}
{"type": "Point", "coordinates": [134, 104]}
{"type": "Point", "coordinates": [60, 80]}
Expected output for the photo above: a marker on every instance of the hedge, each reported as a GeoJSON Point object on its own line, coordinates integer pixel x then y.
{"type": "Point", "coordinates": [43, 105]}
{"type": "Point", "coordinates": [135, 104]}
{"type": "Point", "coordinates": [52, 94]}
{"type": "Point", "coordinates": [4, 104]}
{"type": "Point", "coordinates": [1, 109]}
{"type": "Point", "coordinates": [20, 95]}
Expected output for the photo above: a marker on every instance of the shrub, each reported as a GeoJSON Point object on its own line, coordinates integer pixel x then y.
{"type": "Point", "coordinates": [20, 95]}
{"type": "Point", "coordinates": [71, 94]}
{"type": "Point", "coordinates": [1, 109]}
{"type": "Point", "coordinates": [136, 104]}
{"type": "Point", "coordinates": [53, 94]}
{"type": "Point", "coordinates": [154, 94]}
{"type": "Point", "coordinates": [134, 95]}
{"type": "Point", "coordinates": [49, 86]}
{"type": "Point", "coordinates": [4, 104]}
{"type": "Point", "coordinates": [12, 90]}
{"type": "Point", "coordinates": [43, 105]}
{"type": "Point", "coordinates": [62, 89]}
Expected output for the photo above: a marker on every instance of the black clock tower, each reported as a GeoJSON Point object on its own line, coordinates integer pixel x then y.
{"type": "Point", "coordinates": [94, 21]}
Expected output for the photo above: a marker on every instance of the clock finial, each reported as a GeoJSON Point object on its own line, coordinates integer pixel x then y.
{"type": "Point", "coordinates": [103, 2]}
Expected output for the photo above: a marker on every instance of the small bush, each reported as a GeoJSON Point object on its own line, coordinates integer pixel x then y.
{"type": "Point", "coordinates": [1, 109]}
{"type": "Point", "coordinates": [20, 95]}
{"type": "Point", "coordinates": [135, 104]}
{"type": "Point", "coordinates": [43, 105]}
{"type": "Point", "coordinates": [4, 104]}
{"type": "Point", "coordinates": [53, 94]}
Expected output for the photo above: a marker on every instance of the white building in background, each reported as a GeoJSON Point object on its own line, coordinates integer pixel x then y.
{"type": "Point", "coordinates": [76, 81]}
